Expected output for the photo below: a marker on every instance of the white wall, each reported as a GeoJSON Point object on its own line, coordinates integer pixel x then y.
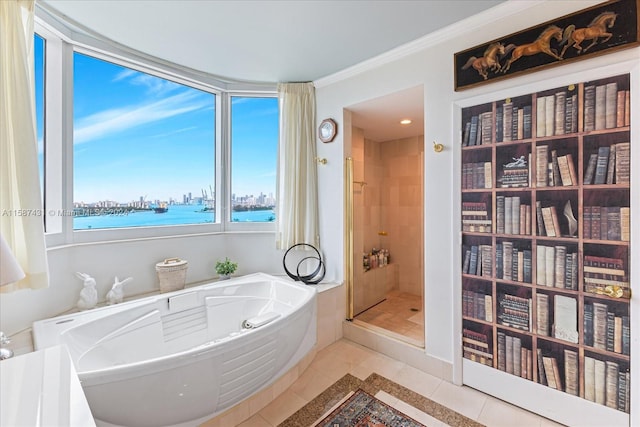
{"type": "Point", "coordinates": [136, 258]}
{"type": "Point", "coordinates": [430, 63]}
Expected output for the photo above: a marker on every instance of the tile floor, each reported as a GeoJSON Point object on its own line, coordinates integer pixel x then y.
{"type": "Point", "coordinates": [397, 315]}
{"type": "Point", "coordinates": [344, 356]}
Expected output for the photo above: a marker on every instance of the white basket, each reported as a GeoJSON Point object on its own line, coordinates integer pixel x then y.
{"type": "Point", "coordinates": [172, 274]}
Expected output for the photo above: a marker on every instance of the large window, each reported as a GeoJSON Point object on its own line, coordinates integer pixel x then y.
{"type": "Point", "coordinates": [143, 149]}
{"type": "Point", "coordinates": [39, 56]}
{"type": "Point", "coordinates": [254, 145]}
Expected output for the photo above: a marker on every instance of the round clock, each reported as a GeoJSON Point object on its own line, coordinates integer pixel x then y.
{"type": "Point", "coordinates": [327, 130]}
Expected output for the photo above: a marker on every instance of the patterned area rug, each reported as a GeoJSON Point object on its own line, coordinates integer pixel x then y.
{"type": "Point", "coordinates": [338, 393]}
{"type": "Point", "coordinates": [364, 410]}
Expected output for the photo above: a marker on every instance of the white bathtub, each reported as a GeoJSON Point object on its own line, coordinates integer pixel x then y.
{"type": "Point", "coordinates": [182, 357]}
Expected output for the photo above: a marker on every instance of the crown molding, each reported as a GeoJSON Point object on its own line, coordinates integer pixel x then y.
{"type": "Point", "coordinates": [468, 25]}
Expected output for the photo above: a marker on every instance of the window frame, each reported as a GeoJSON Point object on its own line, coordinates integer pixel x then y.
{"type": "Point", "coordinates": [60, 46]}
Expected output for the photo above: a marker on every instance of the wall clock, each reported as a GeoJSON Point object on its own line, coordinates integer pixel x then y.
{"type": "Point", "coordinates": [327, 130]}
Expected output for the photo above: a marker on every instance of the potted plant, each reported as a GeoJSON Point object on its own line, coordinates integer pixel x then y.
{"type": "Point", "coordinates": [226, 268]}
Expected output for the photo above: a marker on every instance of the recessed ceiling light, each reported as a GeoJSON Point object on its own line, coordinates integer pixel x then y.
{"type": "Point", "coordinates": [405, 122]}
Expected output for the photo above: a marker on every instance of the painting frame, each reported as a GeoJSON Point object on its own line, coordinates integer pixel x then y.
{"type": "Point", "coordinates": [550, 44]}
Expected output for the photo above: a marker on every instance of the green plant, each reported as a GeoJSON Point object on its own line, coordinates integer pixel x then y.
{"type": "Point", "coordinates": [226, 267]}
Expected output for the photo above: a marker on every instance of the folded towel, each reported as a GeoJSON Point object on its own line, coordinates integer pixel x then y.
{"type": "Point", "coordinates": [260, 320]}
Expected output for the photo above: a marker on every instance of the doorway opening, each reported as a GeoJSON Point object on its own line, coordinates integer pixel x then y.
{"type": "Point", "coordinates": [387, 215]}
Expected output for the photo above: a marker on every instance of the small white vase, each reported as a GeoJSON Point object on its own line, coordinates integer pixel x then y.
{"type": "Point", "coordinates": [224, 277]}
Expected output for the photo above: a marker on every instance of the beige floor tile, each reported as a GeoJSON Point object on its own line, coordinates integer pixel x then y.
{"type": "Point", "coordinates": [464, 400]}
{"type": "Point", "coordinates": [256, 421]}
{"type": "Point", "coordinates": [312, 383]}
{"type": "Point", "coordinates": [498, 413]}
{"type": "Point", "coordinates": [418, 381]}
{"type": "Point", "coordinates": [383, 365]}
{"type": "Point", "coordinates": [281, 408]}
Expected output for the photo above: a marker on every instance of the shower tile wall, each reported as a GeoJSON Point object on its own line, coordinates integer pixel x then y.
{"type": "Point", "coordinates": [402, 202]}
{"type": "Point", "coordinates": [391, 201]}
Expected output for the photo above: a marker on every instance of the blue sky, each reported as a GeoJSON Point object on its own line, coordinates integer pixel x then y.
{"type": "Point", "coordinates": [139, 135]}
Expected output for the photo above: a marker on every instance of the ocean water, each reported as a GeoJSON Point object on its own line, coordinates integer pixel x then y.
{"type": "Point", "coordinates": [177, 214]}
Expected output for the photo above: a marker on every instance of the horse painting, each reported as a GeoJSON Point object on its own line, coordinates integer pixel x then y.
{"type": "Point", "coordinates": [541, 45]}
{"type": "Point", "coordinates": [595, 30]}
{"type": "Point", "coordinates": [487, 62]}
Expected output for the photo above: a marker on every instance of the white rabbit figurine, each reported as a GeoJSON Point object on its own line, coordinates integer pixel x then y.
{"type": "Point", "coordinates": [116, 294]}
{"type": "Point", "coordinates": [88, 295]}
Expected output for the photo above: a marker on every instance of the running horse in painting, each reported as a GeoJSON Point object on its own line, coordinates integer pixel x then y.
{"type": "Point", "coordinates": [541, 45]}
{"type": "Point", "coordinates": [487, 62]}
{"type": "Point", "coordinates": [595, 30]}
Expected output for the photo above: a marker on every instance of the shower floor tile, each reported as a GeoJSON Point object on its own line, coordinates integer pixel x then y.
{"type": "Point", "coordinates": [400, 313]}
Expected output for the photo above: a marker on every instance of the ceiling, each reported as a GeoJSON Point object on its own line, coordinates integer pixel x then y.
{"type": "Point", "coordinates": [266, 41]}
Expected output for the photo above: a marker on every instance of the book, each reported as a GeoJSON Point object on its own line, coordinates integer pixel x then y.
{"type": "Point", "coordinates": [542, 161]}
{"type": "Point", "coordinates": [572, 169]}
{"type": "Point", "coordinates": [549, 265]}
{"type": "Point", "coordinates": [549, 374]}
{"type": "Point", "coordinates": [507, 121]}
{"type": "Point", "coordinates": [559, 119]}
{"type": "Point", "coordinates": [540, 219]}
{"type": "Point", "coordinates": [600, 107]}
{"type": "Point", "coordinates": [562, 165]}
{"type": "Point", "coordinates": [620, 105]}
{"type": "Point", "coordinates": [499, 121]}
{"type": "Point", "coordinates": [589, 378]}
{"type": "Point", "coordinates": [542, 378]}
{"type": "Point", "coordinates": [600, 176]}
{"type": "Point", "coordinates": [600, 381]}
{"type": "Point", "coordinates": [473, 131]}
{"type": "Point", "coordinates": [526, 122]}
{"type": "Point", "coordinates": [588, 325]}
{"type": "Point", "coordinates": [540, 116]}
{"type": "Point", "coordinates": [611, 381]}
{"type": "Point", "coordinates": [565, 324]}
{"type": "Point", "coordinates": [572, 382]}
{"type": "Point", "coordinates": [541, 271]}
{"type": "Point", "coordinates": [542, 314]}
{"type": "Point", "coordinates": [549, 113]}
{"type": "Point", "coordinates": [591, 168]}
{"type": "Point", "coordinates": [502, 343]}
{"type": "Point", "coordinates": [611, 164]}
{"type": "Point", "coordinates": [559, 267]}
{"type": "Point", "coordinates": [547, 217]}
{"type": "Point", "coordinates": [589, 107]}
{"type": "Point", "coordinates": [611, 104]}
{"type": "Point", "coordinates": [599, 326]}
{"type": "Point", "coordinates": [622, 163]}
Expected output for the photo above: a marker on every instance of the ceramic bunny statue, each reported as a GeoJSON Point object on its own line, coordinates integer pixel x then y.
{"type": "Point", "coordinates": [116, 294]}
{"type": "Point", "coordinates": [89, 294]}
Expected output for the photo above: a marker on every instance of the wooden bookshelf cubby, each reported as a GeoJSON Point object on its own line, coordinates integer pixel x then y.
{"type": "Point", "coordinates": [546, 260]}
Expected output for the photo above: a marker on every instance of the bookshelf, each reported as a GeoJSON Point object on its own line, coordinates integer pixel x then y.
{"type": "Point", "coordinates": [545, 202]}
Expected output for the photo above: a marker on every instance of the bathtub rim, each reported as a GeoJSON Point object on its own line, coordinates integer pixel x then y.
{"type": "Point", "coordinates": [176, 359]}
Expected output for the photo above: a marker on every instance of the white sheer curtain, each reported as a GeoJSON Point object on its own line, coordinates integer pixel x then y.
{"type": "Point", "coordinates": [297, 193]}
{"type": "Point", "coordinates": [21, 216]}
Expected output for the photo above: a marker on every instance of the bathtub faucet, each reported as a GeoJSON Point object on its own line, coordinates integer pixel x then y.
{"type": "Point", "coordinates": [5, 353]}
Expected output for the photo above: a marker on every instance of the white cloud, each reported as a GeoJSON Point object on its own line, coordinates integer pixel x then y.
{"type": "Point", "coordinates": [112, 121]}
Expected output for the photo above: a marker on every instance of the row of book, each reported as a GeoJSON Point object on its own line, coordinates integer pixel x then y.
{"type": "Point", "coordinates": [557, 114]}
{"type": "Point", "coordinates": [606, 222]}
{"type": "Point", "coordinates": [478, 130]}
{"type": "Point", "coordinates": [556, 267]}
{"type": "Point", "coordinates": [548, 221]}
{"type": "Point", "coordinates": [512, 216]}
{"type": "Point", "coordinates": [549, 372]}
{"type": "Point", "coordinates": [606, 107]}
{"type": "Point", "coordinates": [514, 311]}
{"type": "Point", "coordinates": [603, 273]}
{"type": "Point", "coordinates": [475, 217]}
{"type": "Point", "coordinates": [564, 324]}
{"type": "Point", "coordinates": [610, 165]}
{"type": "Point", "coordinates": [604, 330]}
{"type": "Point", "coordinates": [478, 260]}
{"type": "Point", "coordinates": [513, 357]}
{"type": "Point", "coordinates": [606, 384]}
{"type": "Point", "coordinates": [512, 122]}
{"type": "Point", "coordinates": [513, 263]}
{"type": "Point", "coordinates": [476, 175]}
{"type": "Point", "coordinates": [477, 305]}
{"type": "Point", "coordinates": [476, 347]}
{"type": "Point", "coordinates": [559, 172]}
